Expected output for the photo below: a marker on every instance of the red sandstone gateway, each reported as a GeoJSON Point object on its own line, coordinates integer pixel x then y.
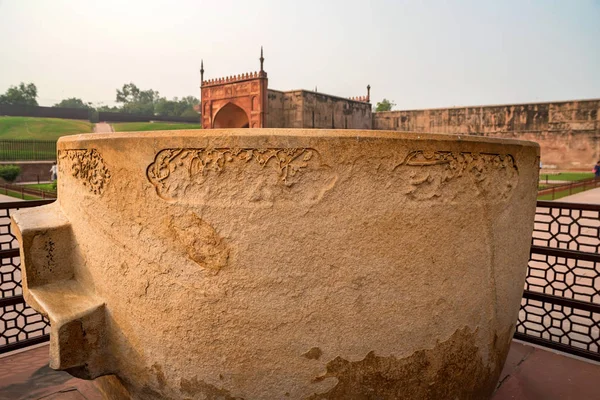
{"type": "Point", "coordinates": [245, 101]}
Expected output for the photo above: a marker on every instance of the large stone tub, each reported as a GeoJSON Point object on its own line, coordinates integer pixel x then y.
{"type": "Point", "coordinates": [274, 264]}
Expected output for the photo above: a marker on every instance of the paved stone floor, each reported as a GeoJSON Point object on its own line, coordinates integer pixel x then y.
{"type": "Point", "coordinates": [591, 196]}
{"type": "Point", "coordinates": [103, 127]}
{"type": "Point", "coordinates": [530, 373]}
{"type": "Point", "coordinates": [7, 199]}
{"type": "Point", "coordinates": [26, 376]}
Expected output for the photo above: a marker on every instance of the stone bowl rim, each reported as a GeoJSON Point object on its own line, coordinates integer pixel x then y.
{"type": "Point", "coordinates": [295, 133]}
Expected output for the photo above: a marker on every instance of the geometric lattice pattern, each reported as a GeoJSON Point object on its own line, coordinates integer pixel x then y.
{"type": "Point", "coordinates": [18, 322]}
{"type": "Point", "coordinates": [560, 324]}
{"type": "Point", "coordinates": [569, 228]}
{"type": "Point", "coordinates": [10, 277]}
{"type": "Point", "coordinates": [567, 277]}
{"type": "Point", "coordinates": [7, 239]}
{"type": "Point", "coordinates": [564, 262]}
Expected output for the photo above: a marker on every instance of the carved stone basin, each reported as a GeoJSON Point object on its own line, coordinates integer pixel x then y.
{"type": "Point", "coordinates": [273, 264]}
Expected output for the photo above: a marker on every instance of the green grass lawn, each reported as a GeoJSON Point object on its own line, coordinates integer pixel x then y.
{"type": "Point", "coordinates": [567, 176]}
{"type": "Point", "coordinates": [31, 128]}
{"type": "Point", "coordinates": [17, 195]}
{"type": "Point", "coordinates": [42, 186]}
{"type": "Point", "coordinates": [151, 126]}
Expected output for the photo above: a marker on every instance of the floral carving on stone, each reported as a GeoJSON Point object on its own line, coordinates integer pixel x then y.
{"type": "Point", "coordinates": [87, 166]}
{"type": "Point", "coordinates": [287, 163]}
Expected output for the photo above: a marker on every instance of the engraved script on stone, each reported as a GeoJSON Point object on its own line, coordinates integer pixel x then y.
{"type": "Point", "coordinates": [178, 172]}
{"type": "Point", "coordinates": [87, 166]}
{"type": "Point", "coordinates": [491, 173]}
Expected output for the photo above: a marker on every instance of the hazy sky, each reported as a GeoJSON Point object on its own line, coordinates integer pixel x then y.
{"type": "Point", "coordinates": [421, 54]}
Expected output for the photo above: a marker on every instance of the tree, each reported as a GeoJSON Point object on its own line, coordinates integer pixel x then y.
{"type": "Point", "coordinates": [385, 105]}
{"type": "Point", "coordinates": [24, 94]}
{"type": "Point", "coordinates": [73, 102]}
{"type": "Point", "coordinates": [190, 102]}
{"type": "Point", "coordinates": [104, 107]}
{"type": "Point", "coordinates": [190, 113]}
{"type": "Point", "coordinates": [136, 101]}
{"type": "Point", "coordinates": [133, 100]}
{"type": "Point", "coordinates": [166, 107]}
{"type": "Point", "coordinates": [176, 107]}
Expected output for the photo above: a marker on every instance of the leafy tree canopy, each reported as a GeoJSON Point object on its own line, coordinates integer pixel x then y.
{"type": "Point", "coordinates": [384, 105]}
{"type": "Point", "coordinates": [104, 107]}
{"type": "Point", "coordinates": [176, 107]}
{"type": "Point", "coordinates": [149, 102]}
{"type": "Point", "coordinates": [130, 99]}
{"type": "Point", "coordinates": [74, 102]}
{"type": "Point", "coordinates": [24, 94]}
{"type": "Point", "coordinates": [136, 101]}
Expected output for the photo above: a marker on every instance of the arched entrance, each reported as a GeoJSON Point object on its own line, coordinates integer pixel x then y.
{"type": "Point", "coordinates": [231, 116]}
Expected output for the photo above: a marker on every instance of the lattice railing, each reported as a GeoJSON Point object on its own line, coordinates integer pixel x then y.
{"type": "Point", "coordinates": [20, 325]}
{"type": "Point", "coordinates": [561, 301]}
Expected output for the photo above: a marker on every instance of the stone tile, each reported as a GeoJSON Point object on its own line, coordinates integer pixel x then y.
{"type": "Point", "coordinates": [517, 354]}
{"type": "Point", "coordinates": [547, 375]}
{"type": "Point", "coordinates": [27, 376]}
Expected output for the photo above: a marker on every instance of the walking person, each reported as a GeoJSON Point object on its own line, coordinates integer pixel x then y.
{"type": "Point", "coordinates": [54, 172]}
{"type": "Point", "coordinates": [597, 170]}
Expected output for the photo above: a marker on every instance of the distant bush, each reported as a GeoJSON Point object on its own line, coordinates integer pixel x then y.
{"type": "Point", "coordinates": [9, 172]}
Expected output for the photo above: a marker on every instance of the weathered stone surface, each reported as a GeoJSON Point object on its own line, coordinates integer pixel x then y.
{"type": "Point", "coordinates": [264, 264]}
{"type": "Point", "coordinates": [568, 131]}
{"type": "Point", "coordinates": [307, 109]}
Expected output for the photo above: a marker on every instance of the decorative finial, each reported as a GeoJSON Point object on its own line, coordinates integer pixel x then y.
{"type": "Point", "coordinates": [262, 59]}
{"type": "Point", "coordinates": [201, 71]}
{"type": "Point", "coordinates": [368, 93]}
{"type": "Point", "coordinates": [315, 88]}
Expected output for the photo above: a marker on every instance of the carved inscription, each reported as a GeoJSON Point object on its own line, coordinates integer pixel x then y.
{"type": "Point", "coordinates": [491, 173]}
{"type": "Point", "coordinates": [460, 162]}
{"type": "Point", "coordinates": [165, 173]}
{"type": "Point", "coordinates": [87, 166]}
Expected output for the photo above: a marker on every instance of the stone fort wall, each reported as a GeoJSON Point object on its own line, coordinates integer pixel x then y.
{"type": "Point", "coordinates": [568, 132]}
{"type": "Point", "coordinates": [307, 109]}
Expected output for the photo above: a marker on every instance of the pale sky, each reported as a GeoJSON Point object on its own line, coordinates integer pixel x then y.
{"type": "Point", "coordinates": [420, 54]}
